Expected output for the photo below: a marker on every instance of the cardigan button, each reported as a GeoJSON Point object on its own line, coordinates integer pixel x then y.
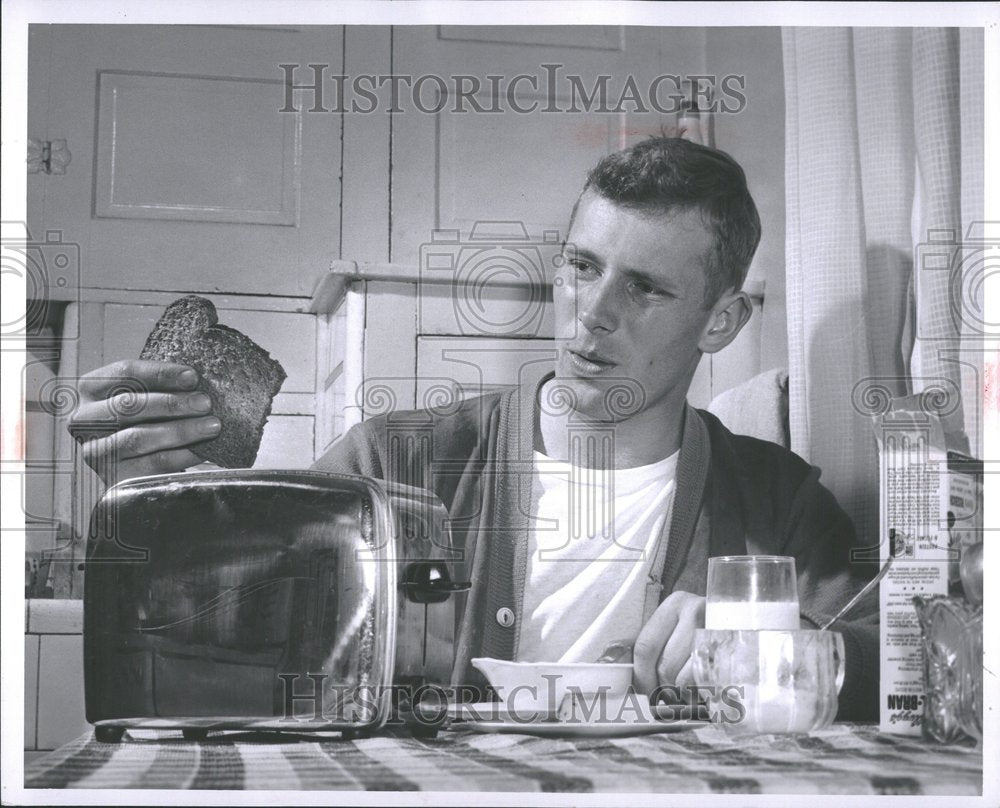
{"type": "Point", "coordinates": [505, 617]}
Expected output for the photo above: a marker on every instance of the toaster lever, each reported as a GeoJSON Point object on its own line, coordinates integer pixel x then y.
{"type": "Point", "coordinates": [430, 582]}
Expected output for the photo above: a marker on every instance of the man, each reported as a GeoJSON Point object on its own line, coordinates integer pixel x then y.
{"type": "Point", "coordinates": [659, 245]}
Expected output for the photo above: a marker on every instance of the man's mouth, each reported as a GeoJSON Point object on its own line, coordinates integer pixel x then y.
{"type": "Point", "coordinates": [588, 363]}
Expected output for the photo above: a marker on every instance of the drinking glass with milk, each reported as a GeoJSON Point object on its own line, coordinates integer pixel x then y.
{"type": "Point", "coordinates": [751, 593]}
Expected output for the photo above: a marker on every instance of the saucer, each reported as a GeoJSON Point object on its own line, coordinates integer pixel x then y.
{"type": "Point", "coordinates": [617, 720]}
{"type": "Point", "coordinates": [564, 729]}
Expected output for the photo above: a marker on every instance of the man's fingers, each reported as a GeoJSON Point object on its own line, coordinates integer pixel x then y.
{"type": "Point", "coordinates": [685, 678]}
{"type": "Point", "coordinates": [127, 408]}
{"type": "Point", "coordinates": [677, 651]}
{"type": "Point", "coordinates": [170, 461]}
{"type": "Point", "coordinates": [664, 643]}
{"type": "Point", "coordinates": [650, 642]}
{"type": "Point", "coordinates": [138, 441]}
{"type": "Point", "coordinates": [137, 374]}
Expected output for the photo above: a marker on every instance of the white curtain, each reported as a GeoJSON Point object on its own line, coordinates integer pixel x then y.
{"type": "Point", "coordinates": [884, 172]}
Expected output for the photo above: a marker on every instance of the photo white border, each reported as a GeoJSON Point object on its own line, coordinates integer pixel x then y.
{"type": "Point", "coordinates": [17, 14]}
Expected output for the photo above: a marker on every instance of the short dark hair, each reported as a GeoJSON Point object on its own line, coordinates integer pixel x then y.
{"type": "Point", "coordinates": [667, 174]}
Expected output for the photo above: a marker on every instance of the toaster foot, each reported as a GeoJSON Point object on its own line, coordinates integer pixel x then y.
{"type": "Point", "coordinates": [105, 734]}
{"type": "Point", "coordinates": [423, 731]}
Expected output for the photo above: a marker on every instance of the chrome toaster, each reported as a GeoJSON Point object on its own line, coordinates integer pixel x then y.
{"type": "Point", "coordinates": [265, 600]}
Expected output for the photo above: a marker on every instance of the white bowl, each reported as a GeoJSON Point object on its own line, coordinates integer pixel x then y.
{"type": "Point", "coordinates": [542, 686]}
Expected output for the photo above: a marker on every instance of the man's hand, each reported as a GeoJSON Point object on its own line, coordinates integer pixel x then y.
{"type": "Point", "coordinates": [135, 418]}
{"type": "Point", "coordinates": [663, 649]}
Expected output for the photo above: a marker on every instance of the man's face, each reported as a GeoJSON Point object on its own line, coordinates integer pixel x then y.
{"type": "Point", "coordinates": [629, 307]}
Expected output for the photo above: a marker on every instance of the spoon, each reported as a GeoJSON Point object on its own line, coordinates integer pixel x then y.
{"type": "Point", "coordinates": [864, 591]}
{"type": "Point", "coordinates": [617, 651]}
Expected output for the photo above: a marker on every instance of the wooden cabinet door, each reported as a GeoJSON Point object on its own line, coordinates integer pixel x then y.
{"type": "Point", "coordinates": [465, 167]}
{"type": "Point", "coordinates": [185, 174]}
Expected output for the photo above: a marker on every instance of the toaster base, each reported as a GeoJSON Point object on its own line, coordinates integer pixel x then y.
{"type": "Point", "coordinates": [196, 728]}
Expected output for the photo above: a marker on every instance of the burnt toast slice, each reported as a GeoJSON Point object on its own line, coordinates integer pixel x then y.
{"type": "Point", "coordinates": [238, 375]}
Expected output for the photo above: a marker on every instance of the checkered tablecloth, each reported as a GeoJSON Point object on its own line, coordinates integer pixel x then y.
{"type": "Point", "coordinates": [846, 759]}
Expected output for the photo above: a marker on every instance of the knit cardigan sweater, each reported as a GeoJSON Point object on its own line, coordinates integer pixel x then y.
{"type": "Point", "coordinates": [734, 495]}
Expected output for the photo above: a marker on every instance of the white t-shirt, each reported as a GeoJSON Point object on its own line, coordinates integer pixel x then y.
{"type": "Point", "coordinates": [592, 539]}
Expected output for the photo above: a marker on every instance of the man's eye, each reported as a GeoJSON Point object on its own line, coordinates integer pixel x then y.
{"type": "Point", "coordinates": [647, 290]}
{"type": "Point", "coordinates": [581, 267]}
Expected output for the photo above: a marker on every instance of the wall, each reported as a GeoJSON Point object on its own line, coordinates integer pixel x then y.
{"type": "Point", "coordinates": [755, 137]}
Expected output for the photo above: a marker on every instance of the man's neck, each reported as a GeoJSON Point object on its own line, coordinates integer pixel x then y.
{"type": "Point", "coordinates": [645, 438]}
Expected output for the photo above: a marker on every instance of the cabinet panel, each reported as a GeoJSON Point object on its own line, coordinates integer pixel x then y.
{"type": "Point", "coordinates": [287, 443]}
{"type": "Point", "coordinates": [39, 448]}
{"type": "Point", "coordinates": [389, 358]}
{"type": "Point", "coordinates": [31, 643]}
{"type": "Point", "coordinates": [365, 169]}
{"type": "Point", "coordinates": [197, 149]}
{"type": "Point", "coordinates": [61, 716]}
{"type": "Point", "coordinates": [486, 170]}
{"type": "Point", "coordinates": [478, 310]}
{"type": "Point", "coordinates": [39, 51]}
{"type": "Point", "coordinates": [451, 368]}
{"type": "Point", "coordinates": [330, 339]}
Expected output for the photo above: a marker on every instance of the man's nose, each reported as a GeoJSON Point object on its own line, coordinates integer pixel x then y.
{"type": "Point", "coordinates": [598, 306]}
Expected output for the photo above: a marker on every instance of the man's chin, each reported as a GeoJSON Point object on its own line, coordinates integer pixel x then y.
{"type": "Point", "coordinates": [603, 399]}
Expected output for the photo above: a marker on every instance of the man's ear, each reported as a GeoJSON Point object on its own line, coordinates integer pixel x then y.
{"type": "Point", "coordinates": [729, 314]}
